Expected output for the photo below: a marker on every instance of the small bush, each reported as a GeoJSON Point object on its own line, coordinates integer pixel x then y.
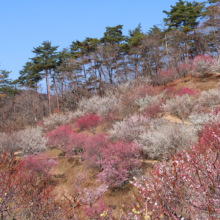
{"type": "Point", "coordinates": [70, 142]}
{"type": "Point", "coordinates": [153, 110]}
{"type": "Point", "coordinates": [164, 139]}
{"type": "Point", "coordinates": [40, 164]}
{"type": "Point", "coordinates": [201, 64]}
{"type": "Point", "coordinates": [119, 160]}
{"type": "Point", "coordinates": [54, 120]}
{"type": "Point", "coordinates": [29, 141]}
{"type": "Point", "coordinates": [215, 67]}
{"type": "Point", "coordinates": [165, 76]}
{"type": "Point", "coordinates": [59, 136]}
{"type": "Point", "coordinates": [149, 100]}
{"type": "Point", "coordinates": [94, 146]}
{"type": "Point", "coordinates": [129, 129]}
{"type": "Point", "coordinates": [210, 98]}
{"type": "Point", "coordinates": [200, 119]}
{"type": "Point", "coordinates": [184, 70]}
{"type": "Point", "coordinates": [181, 106]}
{"type": "Point", "coordinates": [101, 106]}
{"type": "Point", "coordinates": [88, 121]}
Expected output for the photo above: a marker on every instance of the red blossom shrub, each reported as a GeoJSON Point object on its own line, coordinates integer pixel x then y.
{"type": "Point", "coordinates": [59, 136]}
{"type": "Point", "coordinates": [165, 76]}
{"type": "Point", "coordinates": [119, 160]}
{"type": "Point", "coordinates": [189, 91]}
{"type": "Point", "coordinates": [75, 144]}
{"type": "Point", "coordinates": [154, 109]}
{"type": "Point", "coordinates": [94, 147]}
{"type": "Point", "coordinates": [40, 164]}
{"type": "Point", "coordinates": [188, 186]}
{"type": "Point", "coordinates": [88, 121]}
{"type": "Point", "coordinates": [24, 194]}
{"type": "Point", "coordinates": [184, 69]}
{"type": "Point", "coordinates": [142, 90]}
{"type": "Point", "coordinates": [71, 143]}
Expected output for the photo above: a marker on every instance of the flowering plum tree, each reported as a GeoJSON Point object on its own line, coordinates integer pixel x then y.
{"type": "Point", "coordinates": [88, 121]}
{"type": "Point", "coordinates": [201, 64]}
{"type": "Point", "coordinates": [187, 187]}
{"type": "Point", "coordinates": [119, 160]}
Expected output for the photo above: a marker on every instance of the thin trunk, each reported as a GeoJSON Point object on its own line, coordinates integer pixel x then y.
{"type": "Point", "coordinates": [85, 81]}
{"type": "Point", "coordinates": [100, 83]}
{"type": "Point", "coordinates": [116, 65]}
{"type": "Point", "coordinates": [75, 87]}
{"type": "Point", "coordinates": [58, 104]}
{"type": "Point", "coordinates": [187, 49]}
{"type": "Point", "coordinates": [93, 72]}
{"type": "Point", "coordinates": [48, 91]}
{"type": "Point", "coordinates": [136, 73]}
{"type": "Point", "coordinates": [168, 61]}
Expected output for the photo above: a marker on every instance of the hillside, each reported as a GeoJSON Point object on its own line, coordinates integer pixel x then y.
{"type": "Point", "coordinates": [92, 154]}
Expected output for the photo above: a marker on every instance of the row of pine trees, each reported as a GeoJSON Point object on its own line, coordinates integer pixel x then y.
{"type": "Point", "coordinates": [91, 66]}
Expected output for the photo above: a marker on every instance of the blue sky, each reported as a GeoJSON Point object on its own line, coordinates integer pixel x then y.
{"type": "Point", "coordinates": [27, 23]}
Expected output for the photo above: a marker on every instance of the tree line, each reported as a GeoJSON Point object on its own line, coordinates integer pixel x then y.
{"type": "Point", "coordinates": [93, 66]}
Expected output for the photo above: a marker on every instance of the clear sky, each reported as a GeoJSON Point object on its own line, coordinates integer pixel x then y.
{"type": "Point", "coordinates": [25, 24]}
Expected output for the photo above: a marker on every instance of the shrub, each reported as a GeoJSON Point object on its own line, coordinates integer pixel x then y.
{"type": "Point", "coordinates": [59, 136]}
{"type": "Point", "coordinates": [153, 110]}
{"type": "Point", "coordinates": [71, 143]}
{"type": "Point", "coordinates": [10, 141]}
{"type": "Point", "coordinates": [202, 63]}
{"type": "Point", "coordinates": [29, 141]}
{"type": "Point", "coordinates": [165, 139]}
{"type": "Point", "coordinates": [200, 119]}
{"type": "Point", "coordinates": [179, 106]}
{"type": "Point", "coordinates": [164, 76]}
{"type": "Point", "coordinates": [129, 129]}
{"type": "Point", "coordinates": [101, 106]}
{"type": "Point", "coordinates": [148, 100]}
{"type": "Point", "coordinates": [210, 98]}
{"type": "Point", "coordinates": [187, 187]}
{"type": "Point", "coordinates": [215, 67]}
{"type": "Point", "coordinates": [26, 195]}
{"type": "Point", "coordinates": [75, 145]}
{"type": "Point", "coordinates": [119, 160]}
{"type": "Point", "coordinates": [55, 120]}
{"type": "Point", "coordinates": [40, 164]}
{"type": "Point", "coordinates": [94, 146]}
{"type": "Point", "coordinates": [88, 121]}
{"type": "Point", "coordinates": [184, 69]}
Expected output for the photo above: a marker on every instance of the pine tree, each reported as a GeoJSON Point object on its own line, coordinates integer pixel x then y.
{"type": "Point", "coordinates": [113, 38]}
{"type": "Point", "coordinates": [29, 76]}
{"type": "Point", "coordinates": [44, 62]}
{"type": "Point", "coordinates": [135, 40]}
{"type": "Point", "coordinates": [184, 16]}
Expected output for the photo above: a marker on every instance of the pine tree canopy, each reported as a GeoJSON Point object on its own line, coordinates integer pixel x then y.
{"type": "Point", "coordinates": [184, 15]}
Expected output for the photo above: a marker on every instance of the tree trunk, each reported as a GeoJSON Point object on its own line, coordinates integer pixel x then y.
{"type": "Point", "coordinates": [116, 65]}
{"type": "Point", "coordinates": [187, 49]}
{"type": "Point", "coordinates": [93, 72]}
{"type": "Point", "coordinates": [58, 104]}
{"type": "Point", "coordinates": [85, 81]}
{"type": "Point", "coordinates": [168, 61]}
{"type": "Point", "coordinates": [136, 73]}
{"type": "Point", "coordinates": [48, 92]}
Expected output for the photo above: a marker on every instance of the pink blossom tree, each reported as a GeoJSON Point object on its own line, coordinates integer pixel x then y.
{"type": "Point", "coordinates": [119, 160]}
{"type": "Point", "coordinates": [201, 64]}
{"type": "Point", "coordinates": [188, 186]}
